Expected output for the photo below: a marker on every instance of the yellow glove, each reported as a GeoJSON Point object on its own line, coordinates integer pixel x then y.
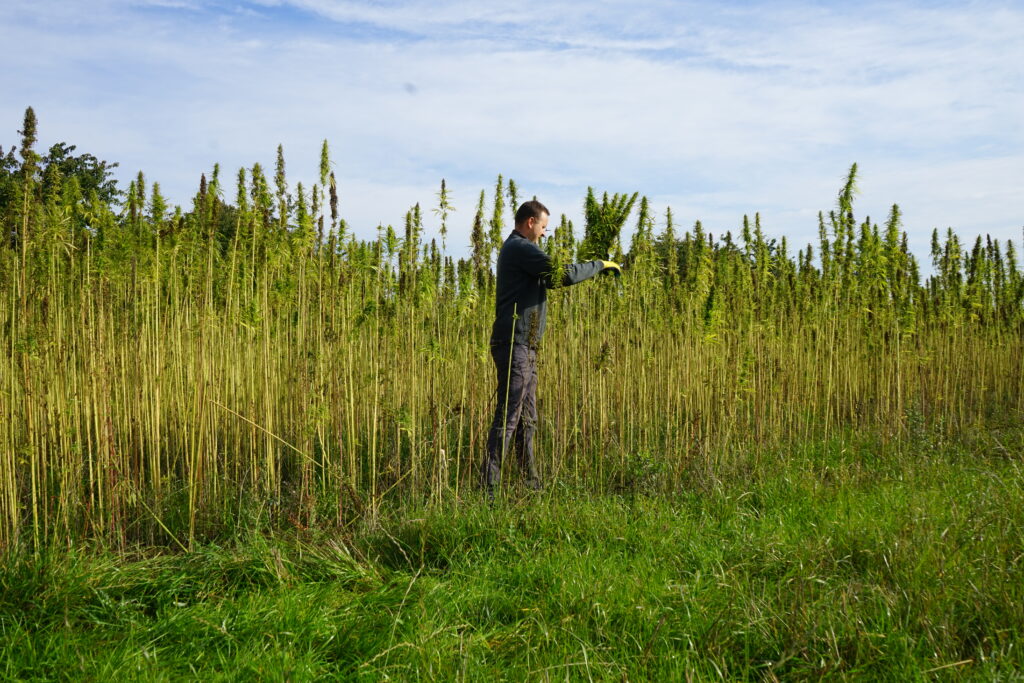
{"type": "Point", "coordinates": [611, 267]}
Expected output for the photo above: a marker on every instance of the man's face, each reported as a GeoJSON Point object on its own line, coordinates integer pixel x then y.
{"type": "Point", "coordinates": [535, 228]}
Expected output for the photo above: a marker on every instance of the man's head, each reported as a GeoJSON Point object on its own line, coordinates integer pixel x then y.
{"type": "Point", "coordinates": [532, 220]}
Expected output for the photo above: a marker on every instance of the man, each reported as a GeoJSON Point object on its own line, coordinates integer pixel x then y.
{"type": "Point", "coordinates": [524, 276]}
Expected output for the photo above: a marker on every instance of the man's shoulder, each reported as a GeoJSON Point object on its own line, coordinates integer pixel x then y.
{"type": "Point", "coordinates": [518, 244]}
{"type": "Point", "coordinates": [514, 239]}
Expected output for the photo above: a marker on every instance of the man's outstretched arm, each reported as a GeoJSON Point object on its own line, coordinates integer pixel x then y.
{"type": "Point", "coordinates": [575, 273]}
{"type": "Point", "coordinates": [535, 261]}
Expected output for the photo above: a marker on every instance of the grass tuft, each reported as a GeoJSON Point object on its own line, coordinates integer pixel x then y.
{"type": "Point", "coordinates": [818, 562]}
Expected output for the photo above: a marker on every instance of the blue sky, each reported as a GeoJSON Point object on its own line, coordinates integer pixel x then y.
{"type": "Point", "coordinates": [716, 109]}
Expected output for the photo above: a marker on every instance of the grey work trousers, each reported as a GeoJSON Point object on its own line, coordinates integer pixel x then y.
{"type": "Point", "coordinates": [515, 417]}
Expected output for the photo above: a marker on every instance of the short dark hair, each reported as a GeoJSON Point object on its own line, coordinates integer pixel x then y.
{"type": "Point", "coordinates": [530, 209]}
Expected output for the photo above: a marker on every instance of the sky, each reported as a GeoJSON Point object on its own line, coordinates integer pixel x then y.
{"type": "Point", "coordinates": [717, 109]}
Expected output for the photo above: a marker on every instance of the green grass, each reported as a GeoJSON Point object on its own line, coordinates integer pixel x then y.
{"type": "Point", "coordinates": [851, 559]}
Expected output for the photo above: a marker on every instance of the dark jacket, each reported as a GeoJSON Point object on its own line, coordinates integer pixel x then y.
{"type": "Point", "coordinates": [524, 276]}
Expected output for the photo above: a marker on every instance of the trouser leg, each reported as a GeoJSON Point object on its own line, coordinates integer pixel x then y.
{"type": "Point", "coordinates": [527, 426]}
{"type": "Point", "coordinates": [511, 364]}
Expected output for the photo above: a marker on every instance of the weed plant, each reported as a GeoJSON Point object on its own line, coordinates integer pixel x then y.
{"type": "Point", "coordinates": [173, 375]}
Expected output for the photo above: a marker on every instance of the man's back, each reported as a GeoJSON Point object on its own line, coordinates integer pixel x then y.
{"type": "Point", "coordinates": [523, 278]}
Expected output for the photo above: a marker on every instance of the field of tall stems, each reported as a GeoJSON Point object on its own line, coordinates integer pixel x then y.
{"type": "Point", "coordinates": [171, 373]}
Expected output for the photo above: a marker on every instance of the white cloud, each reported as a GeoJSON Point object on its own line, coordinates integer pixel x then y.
{"type": "Point", "coordinates": [720, 111]}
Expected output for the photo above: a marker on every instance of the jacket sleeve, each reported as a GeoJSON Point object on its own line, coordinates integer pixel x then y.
{"type": "Point", "coordinates": [578, 272]}
{"type": "Point", "coordinates": [536, 262]}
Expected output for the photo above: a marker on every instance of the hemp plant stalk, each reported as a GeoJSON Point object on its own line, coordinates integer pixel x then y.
{"type": "Point", "coordinates": [356, 373]}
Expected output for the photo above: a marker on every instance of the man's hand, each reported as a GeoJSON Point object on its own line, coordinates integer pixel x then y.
{"type": "Point", "coordinates": [611, 267]}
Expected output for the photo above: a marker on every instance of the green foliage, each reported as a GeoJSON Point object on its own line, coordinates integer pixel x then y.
{"type": "Point", "coordinates": [562, 248]}
{"type": "Point", "coordinates": [9, 188]}
{"type": "Point", "coordinates": [333, 189]}
{"type": "Point", "coordinates": [668, 252]}
{"type": "Point", "coordinates": [513, 198]}
{"type": "Point", "coordinates": [642, 243]}
{"type": "Point", "coordinates": [30, 159]}
{"type": "Point", "coordinates": [444, 207]}
{"type": "Point", "coordinates": [480, 245]}
{"type": "Point", "coordinates": [842, 559]}
{"type": "Point", "coordinates": [497, 222]}
{"type": "Point", "coordinates": [166, 362]}
{"type": "Point", "coordinates": [325, 164]}
{"type": "Point", "coordinates": [604, 221]}
{"type": "Point", "coordinates": [59, 176]}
